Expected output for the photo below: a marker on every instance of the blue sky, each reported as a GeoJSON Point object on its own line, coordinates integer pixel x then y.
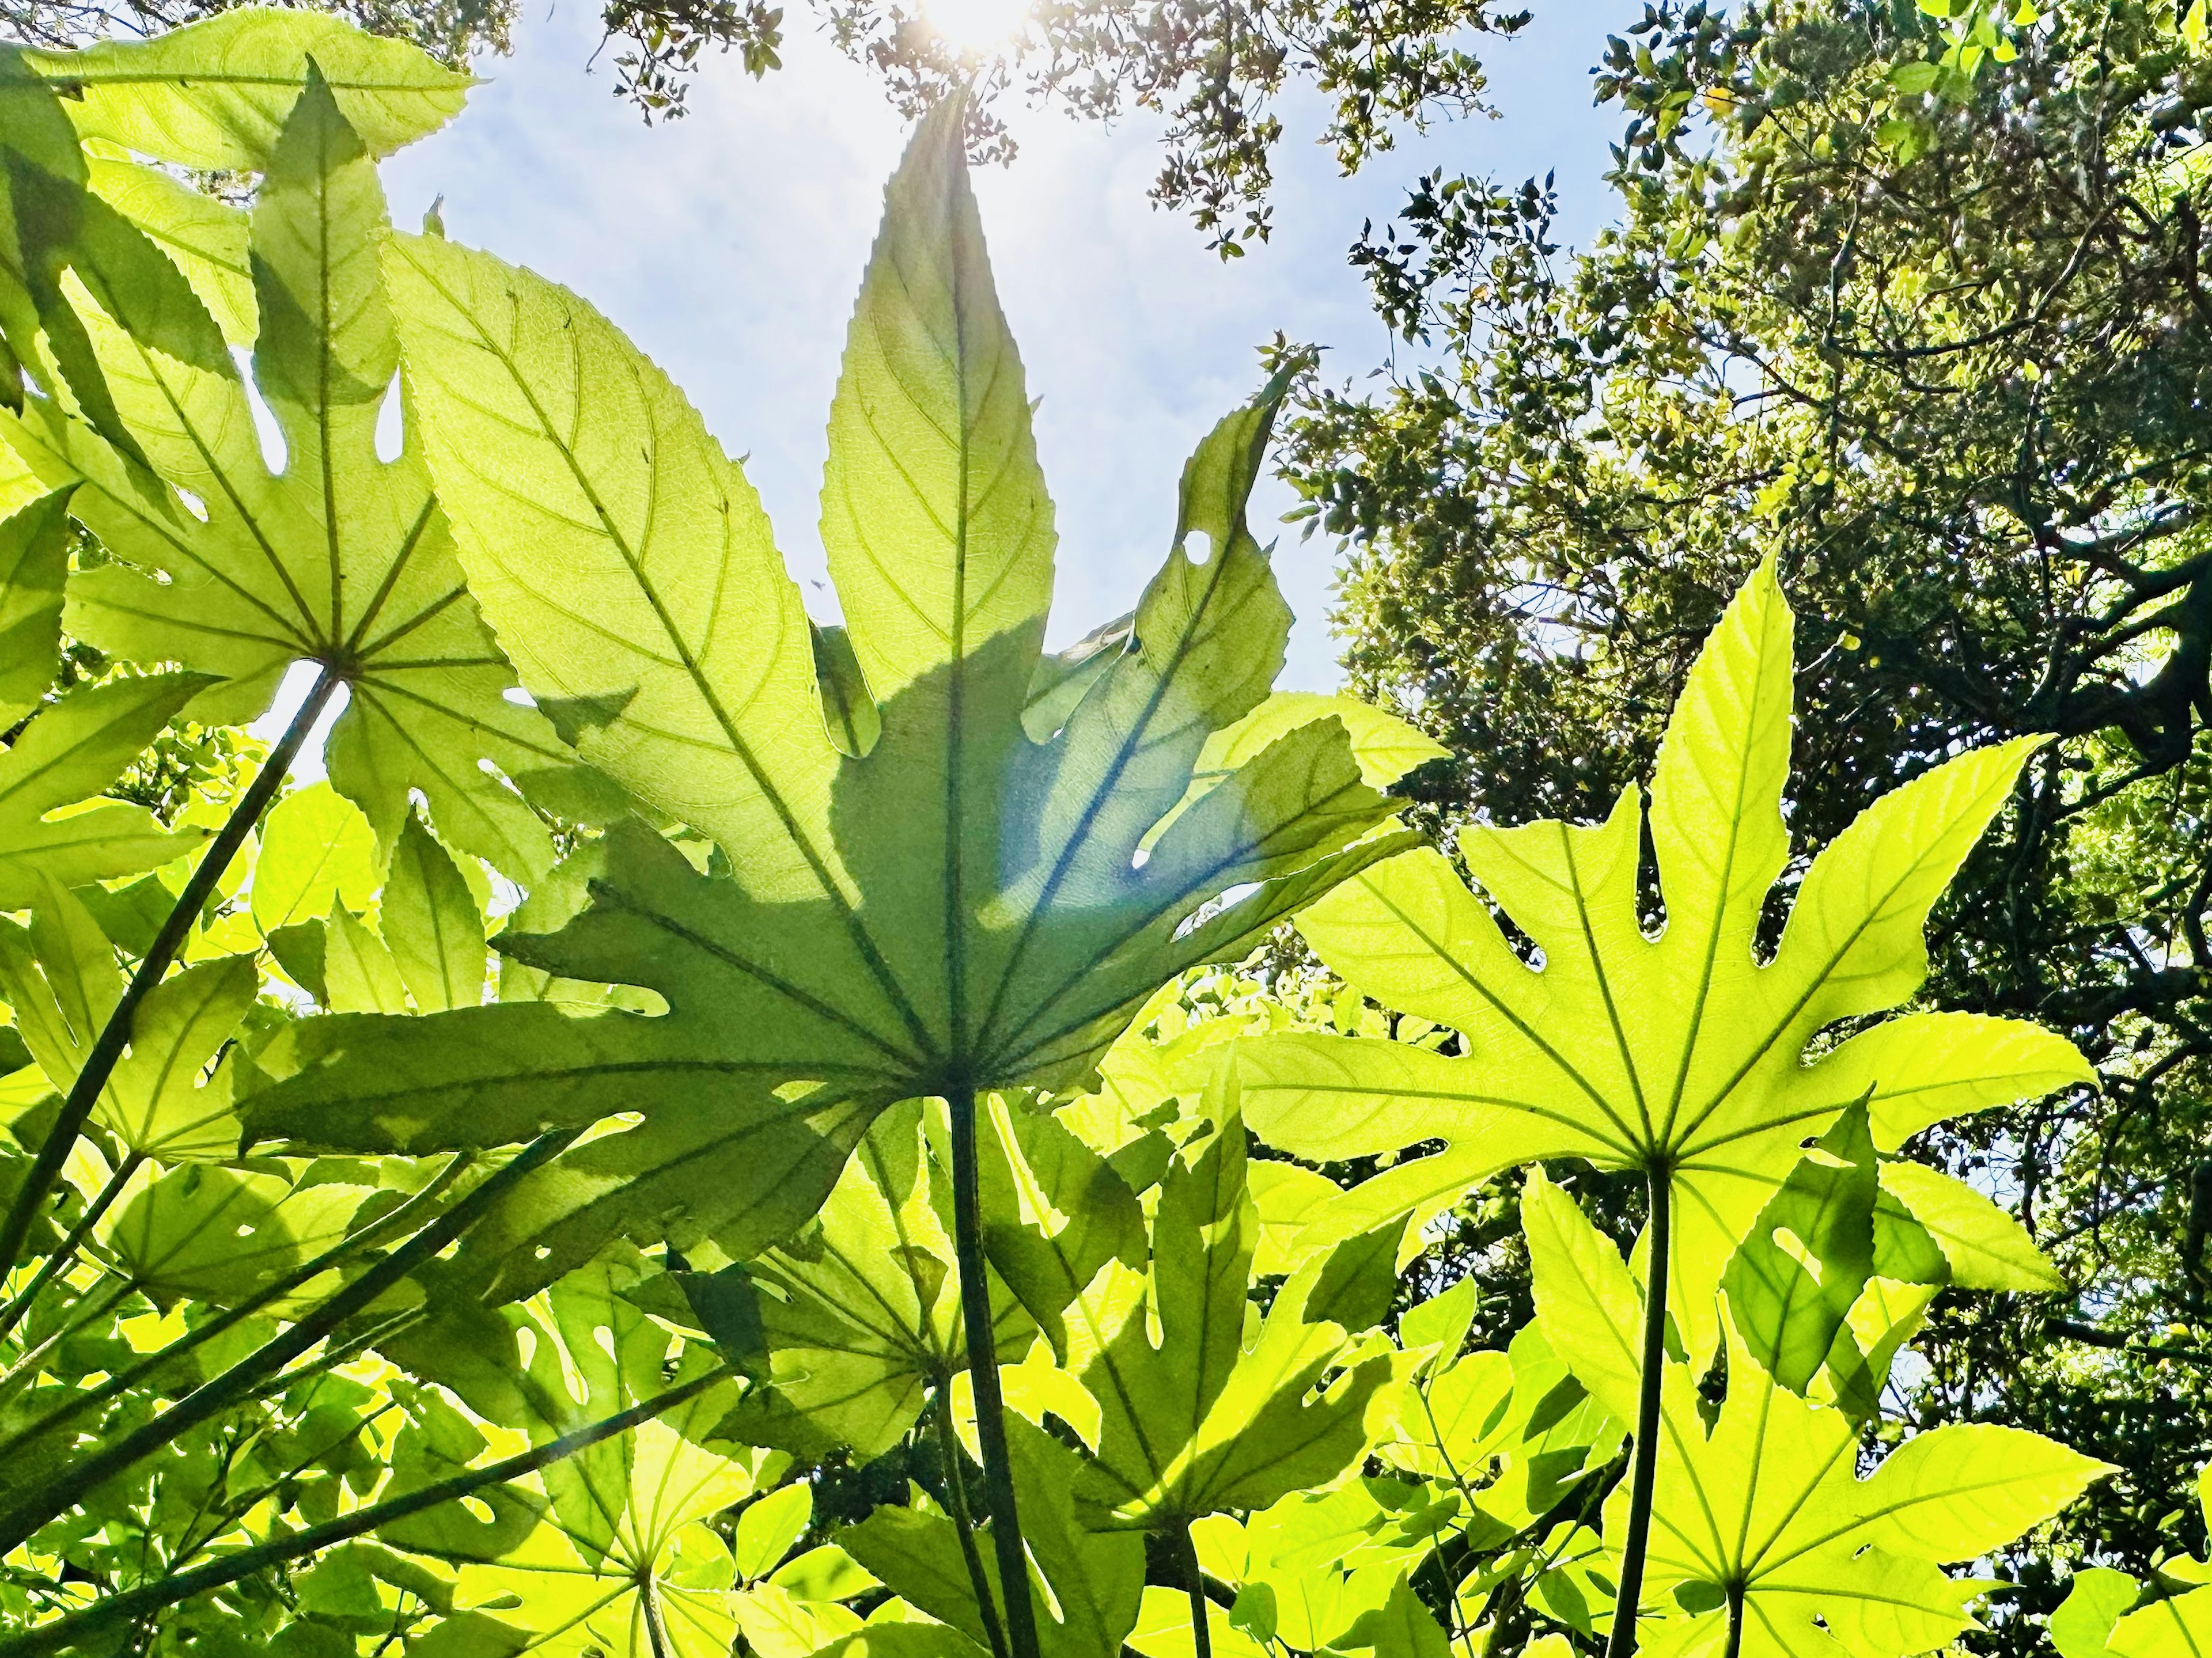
{"type": "Point", "coordinates": [728, 244]}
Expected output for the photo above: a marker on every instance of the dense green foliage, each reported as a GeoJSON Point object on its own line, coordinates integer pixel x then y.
{"type": "Point", "coordinates": [690, 1066]}
{"type": "Point", "coordinates": [1912, 303]}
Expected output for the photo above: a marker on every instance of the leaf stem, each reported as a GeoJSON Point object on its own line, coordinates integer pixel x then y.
{"type": "Point", "coordinates": [1736, 1621]}
{"type": "Point", "coordinates": [114, 1035]}
{"type": "Point", "coordinates": [1201, 1628]}
{"type": "Point", "coordinates": [59, 1260]}
{"type": "Point", "coordinates": [85, 1312]}
{"type": "Point", "coordinates": [237, 1313]}
{"type": "Point", "coordinates": [133, 1604]}
{"type": "Point", "coordinates": [983, 1370]}
{"type": "Point", "coordinates": [28, 1511]}
{"type": "Point", "coordinates": [963, 1517]}
{"type": "Point", "coordinates": [650, 1605]}
{"type": "Point", "coordinates": [1645, 1476]}
{"type": "Point", "coordinates": [1436, 1547]}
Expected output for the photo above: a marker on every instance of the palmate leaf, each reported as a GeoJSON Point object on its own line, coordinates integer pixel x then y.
{"type": "Point", "coordinates": [203, 236]}
{"type": "Point", "coordinates": [1846, 1219]}
{"type": "Point", "coordinates": [962, 908]}
{"type": "Point", "coordinates": [792, 1610]}
{"type": "Point", "coordinates": [61, 978]}
{"type": "Point", "coordinates": [317, 852]}
{"type": "Point", "coordinates": [1510, 1432]}
{"type": "Point", "coordinates": [1768, 1508]}
{"type": "Point", "coordinates": [1682, 1053]}
{"type": "Point", "coordinates": [215, 1234]}
{"type": "Point", "coordinates": [624, 1563]}
{"type": "Point", "coordinates": [1095, 1580]}
{"type": "Point", "coordinates": [861, 1310]}
{"type": "Point", "coordinates": [1210, 1415]}
{"type": "Point", "coordinates": [1316, 1571]}
{"type": "Point", "coordinates": [1762, 1516]}
{"type": "Point", "coordinates": [213, 94]}
{"type": "Point", "coordinates": [339, 557]}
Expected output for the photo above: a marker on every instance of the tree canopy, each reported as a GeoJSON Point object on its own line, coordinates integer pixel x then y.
{"type": "Point", "coordinates": [1906, 298]}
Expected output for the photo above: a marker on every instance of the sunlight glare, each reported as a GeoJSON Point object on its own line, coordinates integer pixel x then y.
{"type": "Point", "coordinates": [976, 28]}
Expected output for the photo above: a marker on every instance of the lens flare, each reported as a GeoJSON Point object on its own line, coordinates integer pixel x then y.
{"type": "Point", "coordinates": [976, 28]}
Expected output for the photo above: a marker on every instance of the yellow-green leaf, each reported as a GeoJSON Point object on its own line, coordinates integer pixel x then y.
{"type": "Point", "coordinates": [1683, 1052]}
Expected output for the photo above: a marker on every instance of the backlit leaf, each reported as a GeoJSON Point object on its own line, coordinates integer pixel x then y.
{"type": "Point", "coordinates": [1208, 1416]}
{"type": "Point", "coordinates": [962, 907]}
{"type": "Point", "coordinates": [333, 555]}
{"type": "Point", "coordinates": [1684, 1051]}
{"type": "Point", "coordinates": [317, 850]}
{"type": "Point", "coordinates": [624, 1563]}
{"type": "Point", "coordinates": [216, 94]}
{"type": "Point", "coordinates": [1767, 1508]}
{"type": "Point", "coordinates": [33, 560]}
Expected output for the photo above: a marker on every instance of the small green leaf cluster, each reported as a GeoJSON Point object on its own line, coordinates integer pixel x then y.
{"type": "Point", "coordinates": [689, 1060]}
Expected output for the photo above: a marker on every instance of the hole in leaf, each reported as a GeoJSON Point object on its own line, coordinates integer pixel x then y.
{"type": "Point", "coordinates": [391, 424]}
{"type": "Point", "coordinates": [275, 454]}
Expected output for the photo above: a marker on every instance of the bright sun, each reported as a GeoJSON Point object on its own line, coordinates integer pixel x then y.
{"type": "Point", "coordinates": [977, 27]}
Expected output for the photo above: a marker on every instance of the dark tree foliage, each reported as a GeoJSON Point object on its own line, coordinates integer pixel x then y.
{"type": "Point", "coordinates": [1215, 69]}
{"type": "Point", "coordinates": [449, 30]}
{"type": "Point", "coordinates": [1918, 301]}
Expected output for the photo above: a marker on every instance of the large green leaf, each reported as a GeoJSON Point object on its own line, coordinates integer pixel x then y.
{"type": "Point", "coordinates": [624, 1563]}
{"type": "Point", "coordinates": [317, 852]}
{"type": "Point", "coordinates": [213, 94]}
{"type": "Point", "coordinates": [2178, 1627]}
{"type": "Point", "coordinates": [74, 750]}
{"type": "Point", "coordinates": [862, 1313]}
{"type": "Point", "coordinates": [158, 1101]}
{"type": "Point", "coordinates": [204, 1233]}
{"type": "Point", "coordinates": [1682, 1051]}
{"type": "Point", "coordinates": [965, 906]}
{"type": "Point", "coordinates": [338, 557]}
{"type": "Point", "coordinates": [43, 212]}
{"type": "Point", "coordinates": [1094, 1580]}
{"type": "Point", "coordinates": [1316, 1571]}
{"type": "Point", "coordinates": [1211, 1415]}
{"type": "Point", "coordinates": [1508, 1433]}
{"type": "Point", "coordinates": [2101, 1617]}
{"type": "Point", "coordinates": [2096, 1600]}
{"type": "Point", "coordinates": [205, 237]}
{"type": "Point", "coordinates": [1766, 1511]}
{"type": "Point", "coordinates": [1844, 1218]}
{"type": "Point", "coordinates": [60, 975]}
{"type": "Point", "coordinates": [1760, 1516]}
